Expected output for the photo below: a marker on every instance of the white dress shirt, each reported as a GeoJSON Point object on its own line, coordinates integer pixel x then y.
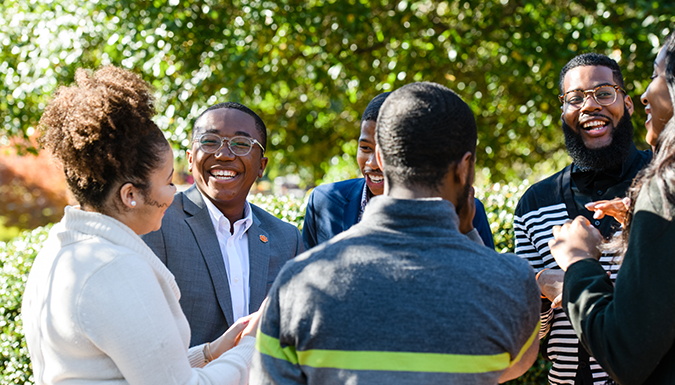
{"type": "Point", "coordinates": [234, 248]}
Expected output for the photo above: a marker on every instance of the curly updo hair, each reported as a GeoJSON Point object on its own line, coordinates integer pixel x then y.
{"type": "Point", "coordinates": [101, 131]}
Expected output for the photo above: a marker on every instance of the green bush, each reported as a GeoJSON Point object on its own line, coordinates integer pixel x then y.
{"type": "Point", "coordinates": [286, 208]}
{"type": "Point", "coordinates": [500, 202]}
{"type": "Point", "coordinates": [16, 258]}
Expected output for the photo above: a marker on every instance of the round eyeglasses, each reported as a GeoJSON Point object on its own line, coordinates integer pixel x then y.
{"type": "Point", "coordinates": [238, 145]}
{"type": "Point", "coordinates": [603, 95]}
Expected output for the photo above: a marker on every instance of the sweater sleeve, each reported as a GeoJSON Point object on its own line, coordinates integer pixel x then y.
{"type": "Point", "coordinates": [123, 310]}
{"type": "Point", "coordinates": [627, 328]}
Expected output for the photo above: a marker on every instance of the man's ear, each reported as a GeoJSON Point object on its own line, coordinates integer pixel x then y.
{"type": "Point", "coordinates": [189, 159]}
{"type": "Point", "coordinates": [464, 168]}
{"type": "Point", "coordinates": [263, 164]}
{"type": "Point", "coordinates": [629, 104]}
{"type": "Point", "coordinates": [378, 157]}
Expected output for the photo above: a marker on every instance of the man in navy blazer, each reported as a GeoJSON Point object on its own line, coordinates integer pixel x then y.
{"type": "Point", "coordinates": [335, 207]}
{"type": "Point", "coordinates": [224, 252]}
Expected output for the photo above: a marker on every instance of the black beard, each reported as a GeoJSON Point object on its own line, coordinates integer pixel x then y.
{"type": "Point", "coordinates": [609, 157]}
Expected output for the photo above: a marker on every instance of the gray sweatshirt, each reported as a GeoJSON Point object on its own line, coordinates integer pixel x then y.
{"type": "Point", "coordinates": [400, 298]}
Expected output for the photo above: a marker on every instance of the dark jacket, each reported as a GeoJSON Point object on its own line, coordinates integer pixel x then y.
{"type": "Point", "coordinates": [334, 207]}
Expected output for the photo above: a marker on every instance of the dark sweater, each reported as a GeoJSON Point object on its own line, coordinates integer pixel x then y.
{"type": "Point", "coordinates": [630, 328]}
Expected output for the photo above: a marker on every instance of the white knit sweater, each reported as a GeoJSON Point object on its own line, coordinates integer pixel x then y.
{"type": "Point", "coordinates": [100, 307]}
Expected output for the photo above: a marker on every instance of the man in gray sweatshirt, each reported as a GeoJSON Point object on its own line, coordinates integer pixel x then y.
{"type": "Point", "coordinates": [403, 297]}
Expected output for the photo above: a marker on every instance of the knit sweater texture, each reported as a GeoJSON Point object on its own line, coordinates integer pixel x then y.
{"type": "Point", "coordinates": [629, 328]}
{"type": "Point", "coordinates": [100, 308]}
{"type": "Point", "coordinates": [400, 298]}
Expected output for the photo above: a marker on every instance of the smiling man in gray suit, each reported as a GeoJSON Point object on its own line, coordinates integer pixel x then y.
{"type": "Point", "coordinates": [223, 251]}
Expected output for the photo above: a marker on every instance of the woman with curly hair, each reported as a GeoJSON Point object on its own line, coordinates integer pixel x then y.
{"type": "Point", "coordinates": [629, 329]}
{"type": "Point", "coordinates": [99, 306]}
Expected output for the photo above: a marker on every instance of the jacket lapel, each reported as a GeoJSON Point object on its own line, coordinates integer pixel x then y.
{"type": "Point", "coordinates": [199, 221]}
{"type": "Point", "coordinates": [258, 256]}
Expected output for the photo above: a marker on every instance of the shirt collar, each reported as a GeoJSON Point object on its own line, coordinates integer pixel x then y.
{"type": "Point", "coordinates": [240, 227]}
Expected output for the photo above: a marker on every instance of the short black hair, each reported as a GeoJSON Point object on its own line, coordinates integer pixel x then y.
{"type": "Point", "coordinates": [591, 59]}
{"type": "Point", "coordinates": [422, 129]}
{"type": "Point", "coordinates": [259, 124]}
{"type": "Point", "coordinates": [373, 108]}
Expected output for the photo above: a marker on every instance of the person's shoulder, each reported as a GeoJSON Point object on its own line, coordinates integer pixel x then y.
{"type": "Point", "coordinates": [652, 198]}
{"type": "Point", "coordinates": [543, 193]}
{"type": "Point", "coordinates": [338, 189]}
{"type": "Point", "coordinates": [326, 252]}
{"type": "Point", "coordinates": [548, 184]}
{"type": "Point", "coordinates": [95, 253]}
{"type": "Point", "coordinates": [177, 205]}
{"type": "Point", "coordinates": [518, 266]}
{"type": "Point", "coordinates": [645, 156]}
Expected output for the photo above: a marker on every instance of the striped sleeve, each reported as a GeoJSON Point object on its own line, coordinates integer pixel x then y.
{"type": "Point", "coordinates": [533, 230]}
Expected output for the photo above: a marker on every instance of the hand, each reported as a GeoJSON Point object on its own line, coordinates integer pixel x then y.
{"type": "Point", "coordinates": [551, 284]}
{"type": "Point", "coordinates": [557, 302]}
{"type": "Point", "coordinates": [617, 208]}
{"type": "Point", "coordinates": [252, 327]}
{"type": "Point", "coordinates": [467, 213]}
{"type": "Point", "coordinates": [574, 241]}
{"type": "Point", "coordinates": [231, 337]}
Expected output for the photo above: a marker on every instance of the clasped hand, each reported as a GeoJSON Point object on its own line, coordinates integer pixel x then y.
{"type": "Point", "coordinates": [574, 241]}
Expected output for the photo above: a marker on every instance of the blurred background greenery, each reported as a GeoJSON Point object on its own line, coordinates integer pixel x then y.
{"type": "Point", "coordinates": [310, 67]}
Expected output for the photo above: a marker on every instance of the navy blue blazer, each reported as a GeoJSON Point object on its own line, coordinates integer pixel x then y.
{"type": "Point", "coordinates": [333, 208]}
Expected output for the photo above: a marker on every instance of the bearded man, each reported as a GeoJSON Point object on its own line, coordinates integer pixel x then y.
{"type": "Point", "coordinates": [598, 133]}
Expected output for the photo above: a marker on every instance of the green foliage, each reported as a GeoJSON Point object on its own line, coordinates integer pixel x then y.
{"type": "Point", "coordinates": [16, 258]}
{"type": "Point", "coordinates": [536, 375]}
{"type": "Point", "coordinates": [500, 202]}
{"type": "Point", "coordinates": [286, 208]}
{"type": "Point", "coordinates": [310, 67]}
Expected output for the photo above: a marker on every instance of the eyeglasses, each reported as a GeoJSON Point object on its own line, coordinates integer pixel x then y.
{"type": "Point", "coordinates": [238, 145]}
{"type": "Point", "coordinates": [604, 95]}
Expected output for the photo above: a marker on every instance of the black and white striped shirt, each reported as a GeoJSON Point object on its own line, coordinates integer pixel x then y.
{"type": "Point", "coordinates": [552, 202]}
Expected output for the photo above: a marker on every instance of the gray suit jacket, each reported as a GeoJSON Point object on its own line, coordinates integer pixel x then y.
{"type": "Point", "coordinates": [187, 244]}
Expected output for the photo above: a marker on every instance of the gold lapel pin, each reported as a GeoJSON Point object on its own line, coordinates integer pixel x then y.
{"type": "Point", "coordinates": [263, 239]}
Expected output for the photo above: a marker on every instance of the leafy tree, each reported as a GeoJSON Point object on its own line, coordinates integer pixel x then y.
{"type": "Point", "coordinates": [310, 67]}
